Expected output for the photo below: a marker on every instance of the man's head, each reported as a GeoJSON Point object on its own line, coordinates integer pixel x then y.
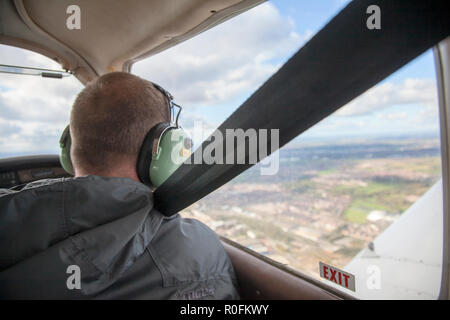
{"type": "Point", "coordinates": [109, 121]}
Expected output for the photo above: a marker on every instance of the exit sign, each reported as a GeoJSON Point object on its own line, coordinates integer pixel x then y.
{"type": "Point", "coordinates": [337, 276]}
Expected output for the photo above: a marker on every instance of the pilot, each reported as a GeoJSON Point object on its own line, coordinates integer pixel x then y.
{"type": "Point", "coordinates": [98, 234]}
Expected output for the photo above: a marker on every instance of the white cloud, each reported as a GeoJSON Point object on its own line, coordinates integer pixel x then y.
{"type": "Point", "coordinates": [392, 116]}
{"type": "Point", "coordinates": [24, 58]}
{"type": "Point", "coordinates": [231, 59]}
{"type": "Point", "coordinates": [402, 108]}
{"type": "Point", "coordinates": [33, 110]}
{"type": "Point", "coordinates": [421, 92]}
{"type": "Point", "coordinates": [32, 98]}
{"type": "Point", "coordinates": [219, 66]}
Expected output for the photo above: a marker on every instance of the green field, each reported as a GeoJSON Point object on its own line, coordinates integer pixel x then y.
{"type": "Point", "coordinates": [392, 194]}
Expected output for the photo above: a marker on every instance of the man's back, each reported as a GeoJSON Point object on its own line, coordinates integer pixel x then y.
{"type": "Point", "coordinates": [107, 231]}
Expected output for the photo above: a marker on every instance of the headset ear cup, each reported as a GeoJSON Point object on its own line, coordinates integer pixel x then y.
{"type": "Point", "coordinates": [146, 153]}
{"type": "Point", "coordinates": [175, 146]}
{"type": "Point", "coordinates": [65, 143]}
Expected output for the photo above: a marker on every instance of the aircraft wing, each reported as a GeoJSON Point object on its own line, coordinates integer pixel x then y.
{"type": "Point", "coordinates": [405, 261]}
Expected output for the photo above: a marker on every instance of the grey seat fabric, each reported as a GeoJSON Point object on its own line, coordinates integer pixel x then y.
{"type": "Point", "coordinates": [109, 229]}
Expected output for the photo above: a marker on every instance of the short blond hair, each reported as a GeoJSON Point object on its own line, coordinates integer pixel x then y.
{"type": "Point", "coordinates": [110, 118]}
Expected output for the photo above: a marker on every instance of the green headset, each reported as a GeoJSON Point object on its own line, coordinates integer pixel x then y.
{"type": "Point", "coordinates": [166, 146]}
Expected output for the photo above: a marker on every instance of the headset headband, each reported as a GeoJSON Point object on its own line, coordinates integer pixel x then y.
{"type": "Point", "coordinates": [172, 105]}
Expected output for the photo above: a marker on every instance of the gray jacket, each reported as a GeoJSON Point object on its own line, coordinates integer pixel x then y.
{"type": "Point", "coordinates": [107, 231]}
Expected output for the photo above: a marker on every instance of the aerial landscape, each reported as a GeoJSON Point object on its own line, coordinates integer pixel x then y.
{"type": "Point", "coordinates": [329, 200]}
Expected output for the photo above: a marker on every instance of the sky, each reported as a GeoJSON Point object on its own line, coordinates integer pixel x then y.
{"type": "Point", "coordinates": [213, 73]}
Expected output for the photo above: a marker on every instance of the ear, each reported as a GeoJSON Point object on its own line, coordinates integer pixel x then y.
{"type": "Point", "coordinates": [65, 143]}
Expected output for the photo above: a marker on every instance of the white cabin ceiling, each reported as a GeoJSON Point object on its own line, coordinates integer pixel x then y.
{"type": "Point", "coordinates": [113, 34]}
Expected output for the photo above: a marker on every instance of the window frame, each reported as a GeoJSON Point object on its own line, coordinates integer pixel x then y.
{"type": "Point", "coordinates": [442, 65]}
{"type": "Point", "coordinates": [190, 182]}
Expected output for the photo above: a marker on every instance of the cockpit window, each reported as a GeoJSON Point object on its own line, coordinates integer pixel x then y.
{"type": "Point", "coordinates": [214, 72]}
{"type": "Point", "coordinates": [33, 110]}
{"type": "Point", "coordinates": [360, 191]}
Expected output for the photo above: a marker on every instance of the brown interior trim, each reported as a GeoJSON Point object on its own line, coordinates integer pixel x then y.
{"type": "Point", "coordinates": [260, 277]}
